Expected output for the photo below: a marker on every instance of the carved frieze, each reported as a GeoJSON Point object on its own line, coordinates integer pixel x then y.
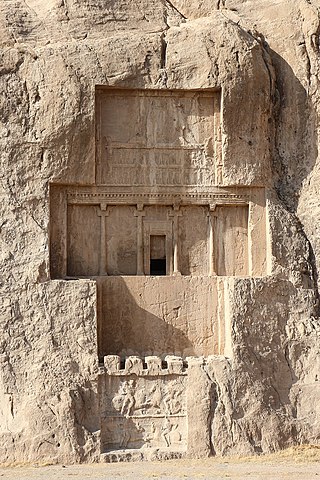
{"type": "Point", "coordinates": [122, 196]}
{"type": "Point", "coordinates": [143, 405]}
{"type": "Point", "coordinates": [158, 137]}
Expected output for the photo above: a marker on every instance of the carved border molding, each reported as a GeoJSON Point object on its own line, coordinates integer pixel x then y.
{"type": "Point", "coordinates": [80, 195]}
{"type": "Point", "coordinates": [152, 365]}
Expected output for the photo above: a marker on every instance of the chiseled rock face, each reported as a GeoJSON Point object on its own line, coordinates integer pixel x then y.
{"type": "Point", "coordinates": [265, 57]}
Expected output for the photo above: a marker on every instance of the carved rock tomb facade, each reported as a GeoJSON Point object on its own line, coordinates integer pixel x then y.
{"type": "Point", "coordinates": [159, 287]}
{"type": "Point", "coordinates": [161, 236]}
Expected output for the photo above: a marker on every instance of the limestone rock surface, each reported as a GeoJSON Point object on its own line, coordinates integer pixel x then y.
{"type": "Point", "coordinates": [265, 56]}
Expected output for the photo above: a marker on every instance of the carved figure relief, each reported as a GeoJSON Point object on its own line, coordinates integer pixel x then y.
{"type": "Point", "coordinates": [165, 431]}
{"type": "Point", "coordinates": [185, 151]}
{"type": "Point", "coordinates": [126, 397]}
{"type": "Point", "coordinates": [144, 411]}
{"type": "Point", "coordinates": [148, 397]}
{"type": "Point", "coordinates": [173, 399]}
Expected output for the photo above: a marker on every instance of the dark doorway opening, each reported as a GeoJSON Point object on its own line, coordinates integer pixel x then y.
{"type": "Point", "coordinates": [158, 255]}
{"type": "Point", "coordinates": [158, 266]}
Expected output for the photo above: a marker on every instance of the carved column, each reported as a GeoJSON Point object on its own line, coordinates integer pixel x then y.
{"type": "Point", "coordinates": [176, 214]}
{"type": "Point", "coordinates": [139, 213]}
{"type": "Point", "coordinates": [211, 217]}
{"type": "Point", "coordinates": [103, 214]}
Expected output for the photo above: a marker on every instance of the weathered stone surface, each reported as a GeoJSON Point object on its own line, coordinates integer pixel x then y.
{"type": "Point", "coordinates": [48, 373]}
{"type": "Point", "coordinates": [142, 411]}
{"type": "Point", "coordinates": [261, 393]}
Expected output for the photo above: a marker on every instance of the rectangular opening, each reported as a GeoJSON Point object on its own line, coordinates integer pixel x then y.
{"type": "Point", "coordinates": [158, 255]}
{"type": "Point", "coordinates": [158, 266]}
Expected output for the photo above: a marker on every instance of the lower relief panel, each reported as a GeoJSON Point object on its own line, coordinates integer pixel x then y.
{"type": "Point", "coordinates": [143, 411]}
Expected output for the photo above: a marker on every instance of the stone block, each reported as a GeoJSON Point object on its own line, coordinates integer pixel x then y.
{"type": "Point", "coordinates": [154, 365]}
{"type": "Point", "coordinates": [175, 364]}
{"type": "Point", "coordinates": [133, 364]}
{"type": "Point", "coordinates": [195, 361]}
{"type": "Point", "coordinates": [112, 363]}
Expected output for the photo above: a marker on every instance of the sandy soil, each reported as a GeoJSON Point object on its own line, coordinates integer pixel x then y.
{"type": "Point", "coordinates": [301, 463]}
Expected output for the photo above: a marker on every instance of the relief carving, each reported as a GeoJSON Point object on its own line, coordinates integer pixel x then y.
{"type": "Point", "coordinates": [165, 431]}
{"type": "Point", "coordinates": [153, 398]}
{"type": "Point", "coordinates": [145, 410]}
{"type": "Point", "coordinates": [125, 398]}
{"type": "Point", "coordinates": [131, 154]}
{"type": "Point", "coordinates": [172, 400]}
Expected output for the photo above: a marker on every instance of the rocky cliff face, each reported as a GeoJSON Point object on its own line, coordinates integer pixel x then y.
{"type": "Point", "coordinates": [265, 56]}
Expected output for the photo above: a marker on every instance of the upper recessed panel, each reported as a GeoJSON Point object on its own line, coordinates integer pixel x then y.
{"type": "Point", "coordinates": [158, 138]}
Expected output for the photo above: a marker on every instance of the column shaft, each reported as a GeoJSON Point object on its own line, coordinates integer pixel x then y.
{"type": "Point", "coordinates": [212, 270]}
{"type": "Point", "coordinates": [175, 216]}
{"type": "Point", "coordinates": [139, 213]}
{"type": "Point", "coordinates": [175, 245]}
{"type": "Point", "coordinates": [103, 235]}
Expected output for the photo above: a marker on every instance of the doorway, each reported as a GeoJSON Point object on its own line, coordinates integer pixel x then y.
{"type": "Point", "coordinates": [158, 261]}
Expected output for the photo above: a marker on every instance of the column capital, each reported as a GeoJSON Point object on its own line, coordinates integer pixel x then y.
{"type": "Point", "coordinates": [140, 210]}
{"type": "Point", "coordinates": [175, 212]}
{"type": "Point", "coordinates": [103, 210]}
{"type": "Point", "coordinates": [212, 210]}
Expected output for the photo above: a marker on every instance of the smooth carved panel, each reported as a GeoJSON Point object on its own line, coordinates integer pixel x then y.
{"type": "Point", "coordinates": [156, 212]}
{"type": "Point", "coordinates": [231, 240]}
{"type": "Point", "coordinates": [193, 236]}
{"type": "Point", "coordinates": [121, 240]}
{"type": "Point", "coordinates": [155, 315]}
{"type": "Point", "coordinates": [145, 411]}
{"type": "Point", "coordinates": [152, 138]}
{"type": "Point", "coordinates": [83, 240]}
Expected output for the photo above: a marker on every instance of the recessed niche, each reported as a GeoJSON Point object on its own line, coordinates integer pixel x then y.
{"type": "Point", "coordinates": [158, 137]}
{"type": "Point", "coordinates": [96, 233]}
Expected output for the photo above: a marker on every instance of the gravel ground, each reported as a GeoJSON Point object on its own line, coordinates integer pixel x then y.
{"type": "Point", "coordinates": [213, 469]}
